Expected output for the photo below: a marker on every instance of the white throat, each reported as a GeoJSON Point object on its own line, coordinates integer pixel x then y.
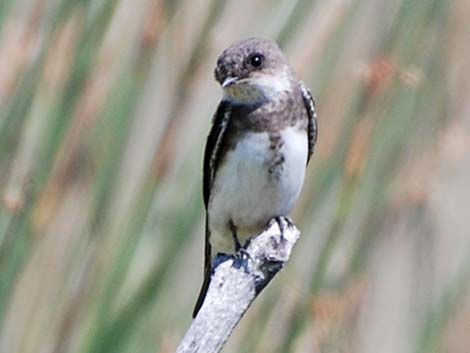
{"type": "Point", "coordinates": [258, 88]}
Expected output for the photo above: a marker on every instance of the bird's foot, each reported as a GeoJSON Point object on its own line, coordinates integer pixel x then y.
{"type": "Point", "coordinates": [243, 252]}
{"type": "Point", "coordinates": [242, 256]}
{"type": "Point", "coordinates": [283, 223]}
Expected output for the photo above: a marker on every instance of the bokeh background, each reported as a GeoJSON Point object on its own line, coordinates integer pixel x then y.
{"type": "Point", "coordinates": [104, 110]}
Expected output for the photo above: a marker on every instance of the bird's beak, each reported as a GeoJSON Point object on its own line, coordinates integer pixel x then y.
{"type": "Point", "coordinates": [229, 81]}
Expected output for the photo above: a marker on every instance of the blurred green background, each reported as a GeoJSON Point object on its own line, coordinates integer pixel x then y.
{"type": "Point", "coordinates": [104, 110]}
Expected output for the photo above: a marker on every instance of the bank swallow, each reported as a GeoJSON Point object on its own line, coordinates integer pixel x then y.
{"type": "Point", "coordinates": [261, 140]}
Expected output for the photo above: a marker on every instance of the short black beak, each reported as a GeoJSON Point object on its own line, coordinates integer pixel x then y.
{"type": "Point", "coordinates": [229, 81]}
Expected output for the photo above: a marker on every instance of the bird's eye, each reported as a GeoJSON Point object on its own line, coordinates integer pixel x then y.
{"type": "Point", "coordinates": [256, 60]}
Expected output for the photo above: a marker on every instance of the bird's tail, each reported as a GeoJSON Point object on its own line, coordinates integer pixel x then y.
{"type": "Point", "coordinates": [207, 270]}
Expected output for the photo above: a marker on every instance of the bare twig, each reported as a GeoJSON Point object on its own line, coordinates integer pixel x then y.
{"type": "Point", "coordinates": [236, 282]}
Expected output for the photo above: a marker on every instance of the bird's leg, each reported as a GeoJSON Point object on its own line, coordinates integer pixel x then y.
{"type": "Point", "coordinates": [247, 243]}
{"type": "Point", "coordinates": [236, 242]}
{"type": "Point", "coordinates": [241, 254]}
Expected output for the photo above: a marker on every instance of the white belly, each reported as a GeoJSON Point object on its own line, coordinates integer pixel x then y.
{"type": "Point", "coordinates": [246, 193]}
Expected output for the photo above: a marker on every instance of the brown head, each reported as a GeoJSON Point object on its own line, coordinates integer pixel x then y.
{"type": "Point", "coordinates": [253, 70]}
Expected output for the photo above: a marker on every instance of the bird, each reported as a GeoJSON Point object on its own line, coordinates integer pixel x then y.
{"type": "Point", "coordinates": [261, 140]}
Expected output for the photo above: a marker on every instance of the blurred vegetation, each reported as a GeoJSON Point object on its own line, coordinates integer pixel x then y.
{"type": "Point", "coordinates": [104, 109]}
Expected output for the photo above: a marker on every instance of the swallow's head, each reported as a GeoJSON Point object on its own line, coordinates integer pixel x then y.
{"type": "Point", "coordinates": [253, 70]}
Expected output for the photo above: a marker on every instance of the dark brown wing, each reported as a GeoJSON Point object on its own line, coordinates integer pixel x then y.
{"type": "Point", "coordinates": [211, 161]}
{"type": "Point", "coordinates": [211, 152]}
{"type": "Point", "coordinates": [312, 128]}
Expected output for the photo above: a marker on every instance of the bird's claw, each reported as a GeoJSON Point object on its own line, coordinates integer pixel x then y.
{"type": "Point", "coordinates": [242, 256]}
{"type": "Point", "coordinates": [242, 252]}
{"type": "Point", "coordinates": [283, 223]}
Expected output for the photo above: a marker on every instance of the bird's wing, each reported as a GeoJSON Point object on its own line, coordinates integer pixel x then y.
{"type": "Point", "coordinates": [212, 156]}
{"type": "Point", "coordinates": [312, 129]}
{"type": "Point", "coordinates": [212, 150]}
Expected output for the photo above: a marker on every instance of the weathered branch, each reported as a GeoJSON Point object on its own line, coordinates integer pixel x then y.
{"type": "Point", "coordinates": [235, 284]}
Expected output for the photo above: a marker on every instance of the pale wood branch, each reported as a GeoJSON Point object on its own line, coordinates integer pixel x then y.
{"type": "Point", "coordinates": [236, 282]}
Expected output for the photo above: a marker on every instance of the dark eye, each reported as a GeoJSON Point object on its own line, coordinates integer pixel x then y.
{"type": "Point", "coordinates": [256, 60]}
